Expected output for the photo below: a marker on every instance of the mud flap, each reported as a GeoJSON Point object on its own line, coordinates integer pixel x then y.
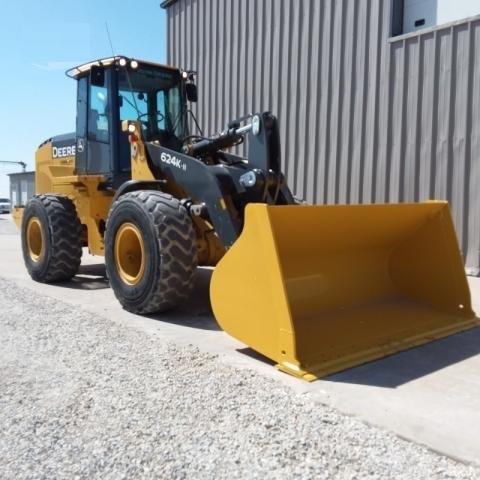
{"type": "Point", "coordinates": [319, 289]}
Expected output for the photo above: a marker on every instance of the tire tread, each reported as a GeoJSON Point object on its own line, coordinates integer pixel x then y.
{"type": "Point", "coordinates": [177, 244]}
{"type": "Point", "coordinates": [65, 243]}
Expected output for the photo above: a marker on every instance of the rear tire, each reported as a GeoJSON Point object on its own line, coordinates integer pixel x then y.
{"type": "Point", "coordinates": [150, 251]}
{"type": "Point", "coordinates": [51, 238]}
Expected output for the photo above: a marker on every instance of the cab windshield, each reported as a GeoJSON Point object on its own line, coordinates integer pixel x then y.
{"type": "Point", "coordinates": [154, 97]}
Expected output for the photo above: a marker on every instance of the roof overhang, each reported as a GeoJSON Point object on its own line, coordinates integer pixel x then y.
{"type": "Point", "coordinates": [168, 3]}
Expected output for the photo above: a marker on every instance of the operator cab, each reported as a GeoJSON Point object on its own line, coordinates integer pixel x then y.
{"type": "Point", "coordinates": [115, 89]}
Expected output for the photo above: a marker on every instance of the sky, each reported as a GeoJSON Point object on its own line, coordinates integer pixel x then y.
{"type": "Point", "coordinates": [39, 40]}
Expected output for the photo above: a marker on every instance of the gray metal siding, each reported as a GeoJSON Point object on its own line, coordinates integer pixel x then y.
{"type": "Point", "coordinates": [363, 117]}
{"type": "Point", "coordinates": [22, 187]}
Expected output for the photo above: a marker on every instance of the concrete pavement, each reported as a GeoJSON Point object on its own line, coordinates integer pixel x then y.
{"type": "Point", "coordinates": [429, 394]}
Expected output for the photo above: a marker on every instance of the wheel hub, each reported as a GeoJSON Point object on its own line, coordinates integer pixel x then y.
{"type": "Point", "coordinates": [129, 254]}
{"type": "Point", "coordinates": [35, 240]}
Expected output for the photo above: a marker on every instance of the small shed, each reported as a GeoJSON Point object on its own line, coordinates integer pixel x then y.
{"type": "Point", "coordinates": [22, 187]}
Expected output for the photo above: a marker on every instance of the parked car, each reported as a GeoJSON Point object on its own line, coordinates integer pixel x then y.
{"type": "Point", "coordinates": [5, 205]}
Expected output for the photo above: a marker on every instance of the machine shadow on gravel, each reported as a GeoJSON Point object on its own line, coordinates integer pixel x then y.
{"type": "Point", "coordinates": [409, 365]}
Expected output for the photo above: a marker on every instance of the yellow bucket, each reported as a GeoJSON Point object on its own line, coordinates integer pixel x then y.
{"type": "Point", "coordinates": [319, 289]}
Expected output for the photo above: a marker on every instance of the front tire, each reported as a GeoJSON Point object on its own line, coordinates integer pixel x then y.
{"type": "Point", "coordinates": [51, 238]}
{"type": "Point", "coordinates": [150, 251]}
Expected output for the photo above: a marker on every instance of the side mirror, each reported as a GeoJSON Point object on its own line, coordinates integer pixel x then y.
{"type": "Point", "coordinates": [97, 76]}
{"type": "Point", "coordinates": [191, 90]}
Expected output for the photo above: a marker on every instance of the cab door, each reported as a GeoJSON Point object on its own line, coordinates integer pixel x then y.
{"type": "Point", "coordinates": [93, 146]}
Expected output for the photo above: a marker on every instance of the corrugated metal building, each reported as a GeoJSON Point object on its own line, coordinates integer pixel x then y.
{"type": "Point", "coordinates": [22, 187]}
{"type": "Point", "coordinates": [367, 112]}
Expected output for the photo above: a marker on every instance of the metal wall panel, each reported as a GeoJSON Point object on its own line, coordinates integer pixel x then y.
{"type": "Point", "coordinates": [363, 117]}
{"type": "Point", "coordinates": [22, 187]}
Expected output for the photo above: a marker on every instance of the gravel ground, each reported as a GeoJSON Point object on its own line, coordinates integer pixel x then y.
{"type": "Point", "coordinates": [83, 397]}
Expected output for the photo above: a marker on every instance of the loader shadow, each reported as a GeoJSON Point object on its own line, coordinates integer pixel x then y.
{"type": "Point", "coordinates": [249, 352]}
{"type": "Point", "coordinates": [196, 311]}
{"type": "Point", "coordinates": [403, 367]}
{"type": "Point", "coordinates": [89, 277]}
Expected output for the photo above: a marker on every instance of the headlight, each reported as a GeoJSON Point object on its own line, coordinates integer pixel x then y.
{"type": "Point", "coordinates": [256, 125]}
{"type": "Point", "coordinates": [252, 179]}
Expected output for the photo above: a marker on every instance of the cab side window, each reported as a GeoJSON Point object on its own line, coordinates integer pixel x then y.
{"type": "Point", "coordinates": [98, 114]}
{"type": "Point", "coordinates": [161, 110]}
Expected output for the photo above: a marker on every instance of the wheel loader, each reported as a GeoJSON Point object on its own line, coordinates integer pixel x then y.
{"type": "Point", "coordinates": [316, 288]}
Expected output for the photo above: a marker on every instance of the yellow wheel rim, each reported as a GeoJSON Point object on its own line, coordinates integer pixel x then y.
{"type": "Point", "coordinates": [129, 254]}
{"type": "Point", "coordinates": [35, 240]}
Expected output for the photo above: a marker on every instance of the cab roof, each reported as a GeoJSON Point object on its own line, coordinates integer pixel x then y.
{"type": "Point", "coordinates": [120, 60]}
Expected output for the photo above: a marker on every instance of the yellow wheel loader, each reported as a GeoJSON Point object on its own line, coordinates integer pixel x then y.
{"type": "Point", "coordinates": [315, 288]}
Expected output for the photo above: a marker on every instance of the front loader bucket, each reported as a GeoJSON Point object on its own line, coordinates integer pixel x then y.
{"type": "Point", "coordinates": [319, 289]}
